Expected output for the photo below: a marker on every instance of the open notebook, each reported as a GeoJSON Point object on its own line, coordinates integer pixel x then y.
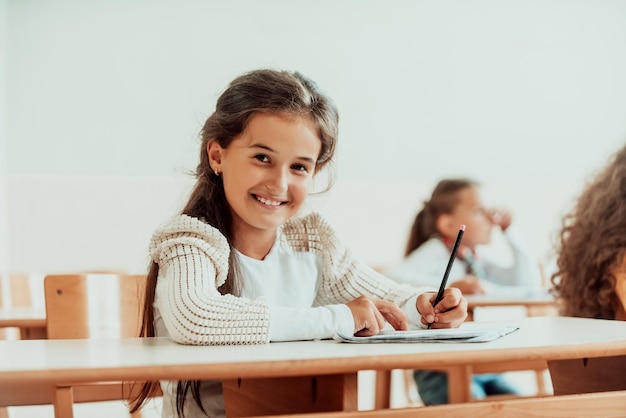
{"type": "Point", "coordinates": [468, 332]}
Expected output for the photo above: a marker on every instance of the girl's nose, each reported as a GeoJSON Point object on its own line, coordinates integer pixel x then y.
{"type": "Point", "coordinates": [277, 181]}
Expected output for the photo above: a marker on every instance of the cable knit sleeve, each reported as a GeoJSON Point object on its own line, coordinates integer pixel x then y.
{"type": "Point", "coordinates": [344, 278]}
{"type": "Point", "coordinates": [193, 263]}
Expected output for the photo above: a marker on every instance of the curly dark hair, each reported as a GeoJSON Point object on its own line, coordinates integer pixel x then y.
{"type": "Point", "coordinates": [592, 245]}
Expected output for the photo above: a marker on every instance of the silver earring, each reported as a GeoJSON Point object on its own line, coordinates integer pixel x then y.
{"type": "Point", "coordinates": [217, 173]}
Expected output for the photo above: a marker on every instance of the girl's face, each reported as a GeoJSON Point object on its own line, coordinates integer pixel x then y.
{"type": "Point", "coordinates": [267, 173]}
{"type": "Point", "coordinates": [472, 212]}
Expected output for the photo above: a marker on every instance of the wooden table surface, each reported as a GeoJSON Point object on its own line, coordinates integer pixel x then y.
{"type": "Point", "coordinates": [546, 338]}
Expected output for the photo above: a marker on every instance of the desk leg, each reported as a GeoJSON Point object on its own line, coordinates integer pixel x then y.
{"type": "Point", "coordinates": [35, 333]}
{"type": "Point", "coordinates": [383, 389]}
{"type": "Point", "coordinates": [459, 381]}
{"type": "Point", "coordinates": [63, 401]}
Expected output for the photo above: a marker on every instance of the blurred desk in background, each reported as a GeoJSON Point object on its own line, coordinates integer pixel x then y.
{"type": "Point", "coordinates": [31, 322]}
{"type": "Point", "coordinates": [534, 304]}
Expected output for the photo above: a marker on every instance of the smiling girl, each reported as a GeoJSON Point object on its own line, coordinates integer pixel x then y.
{"type": "Point", "coordinates": [238, 267]}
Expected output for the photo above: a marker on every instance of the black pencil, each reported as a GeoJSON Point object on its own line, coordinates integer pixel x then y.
{"type": "Point", "coordinates": [442, 287]}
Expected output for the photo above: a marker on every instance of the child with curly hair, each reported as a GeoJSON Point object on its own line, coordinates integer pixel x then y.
{"type": "Point", "coordinates": [590, 280]}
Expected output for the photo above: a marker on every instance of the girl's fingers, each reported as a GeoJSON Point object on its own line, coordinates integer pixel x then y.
{"type": "Point", "coordinates": [392, 314]}
{"type": "Point", "coordinates": [450, 312]}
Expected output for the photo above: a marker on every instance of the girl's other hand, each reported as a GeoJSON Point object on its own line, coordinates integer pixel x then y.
{"type": "Point", "coordinates": [370, 316]}
{"type": "Point", "coordinates": [450, 312]}
{"type": "Point", "coordinates": [500, 217]}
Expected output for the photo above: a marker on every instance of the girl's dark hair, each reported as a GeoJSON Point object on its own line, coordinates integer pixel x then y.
{"type": "Point", "coordinates": [444, 200]}
{"type": "Point", "coordinates": [284, 93]}
{"type": "Point", "coordinates": [592, 245]}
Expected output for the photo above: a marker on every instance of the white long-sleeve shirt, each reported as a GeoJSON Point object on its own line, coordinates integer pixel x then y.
{"type": "Point", "coordinates": [298, 292]}
{"type": "Point", "coordinates": [426, 265]}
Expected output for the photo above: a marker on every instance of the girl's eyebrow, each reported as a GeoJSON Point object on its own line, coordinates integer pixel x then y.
{"type": "Point", "coordinates": [265, 147]}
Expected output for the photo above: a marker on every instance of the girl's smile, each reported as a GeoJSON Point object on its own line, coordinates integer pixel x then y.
{"type": "Point", "coordinates": [267, 173]}
{"type": "Point", "coordinates": [268, 202]}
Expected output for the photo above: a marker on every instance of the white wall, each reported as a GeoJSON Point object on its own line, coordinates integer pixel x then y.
{"type": "Point", "coordinates": [104, 101]}
{"type": "Point", "coordinates": [4, 238]}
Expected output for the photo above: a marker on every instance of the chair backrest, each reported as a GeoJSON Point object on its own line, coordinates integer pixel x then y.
{"type": "Point", "coordinates": [94, 305]}
{"type": "Point", "coordinates": [588, 375]}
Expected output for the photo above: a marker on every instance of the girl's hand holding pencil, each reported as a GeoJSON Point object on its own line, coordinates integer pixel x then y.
{"type": "Point", "coordinates": [439, 308]}
{"type": "Point", "coordinates": [450, 312]}
{"type": "Point", "coordinates": [445, 309]}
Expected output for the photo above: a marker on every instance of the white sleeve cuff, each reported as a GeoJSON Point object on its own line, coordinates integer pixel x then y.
{"type": "Point", "coordinates": [344, 321]}
{"type": "Point", "coordinates": [297, 324]}
{"type": "Point", "coordinates": [410, 308]}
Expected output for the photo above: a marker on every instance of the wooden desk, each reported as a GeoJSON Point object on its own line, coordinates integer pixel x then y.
{"type": "Point", "coordinates": [30, 321]}
{"type": "Point", "coordinates": [66, 362]}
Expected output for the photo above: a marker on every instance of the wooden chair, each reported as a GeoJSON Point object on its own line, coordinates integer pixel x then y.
{"type": "Point", "coordinates": [93, 305]}
{"type": "Point", "coordinates": [85, 306]}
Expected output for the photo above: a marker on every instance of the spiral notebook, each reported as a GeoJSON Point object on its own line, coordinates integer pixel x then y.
{"type": "Point", "coordinates": [468, 332]}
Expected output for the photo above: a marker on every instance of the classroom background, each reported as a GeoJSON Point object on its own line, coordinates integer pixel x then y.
{"type": "Point", "coordinates": [101, 103]}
